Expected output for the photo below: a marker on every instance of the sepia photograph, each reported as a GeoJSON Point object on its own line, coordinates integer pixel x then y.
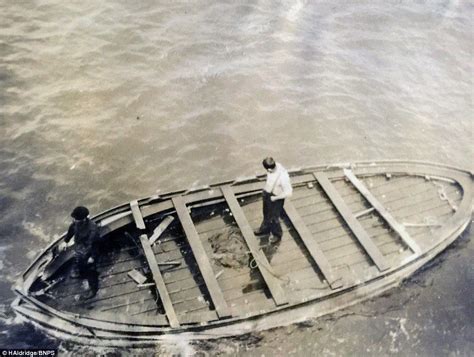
{"type": "Point", "coordinates": [263, 178]}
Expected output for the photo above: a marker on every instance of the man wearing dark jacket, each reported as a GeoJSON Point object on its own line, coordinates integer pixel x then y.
{"type": "Point", "coordinates": [86, 236]}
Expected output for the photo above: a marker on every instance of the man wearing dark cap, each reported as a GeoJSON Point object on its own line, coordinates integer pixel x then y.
{"type": "Point", "coordinates": [277, 188]}
{"type": "Point", "coordinates": [86, 235]}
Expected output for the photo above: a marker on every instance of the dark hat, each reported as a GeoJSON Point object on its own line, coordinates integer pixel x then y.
{"type": "Point", "coordinates": [268, 163]}
{"type": "Point", "coordinates": [80, 213]}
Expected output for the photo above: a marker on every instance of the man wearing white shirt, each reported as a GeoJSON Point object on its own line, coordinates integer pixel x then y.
{"type": "Point", "coordinates": [277, 188]}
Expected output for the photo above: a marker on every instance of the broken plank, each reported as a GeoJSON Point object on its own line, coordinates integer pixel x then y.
{"type": "Point", "coordinates": [201, 257]}
{"type": "Point", "coordinates": [137, 215]}
{"type": "Point", "coordinates": [262, 262]}
{"type": "Point", "coordinates": [138, 277]}
{"type": "Point", "coordinates": [356, 228]}
{"type": "Point", "coordinates": [383, 212]}
{"type": "Point", "coordinates": [158, 231]}
{"type": "Point", "coordinates": [312, 246]}
{"type": "Point", "coordinates": [159, 282]}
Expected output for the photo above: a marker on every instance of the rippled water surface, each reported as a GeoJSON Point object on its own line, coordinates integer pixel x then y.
{"type": "Point", "coordinates": [105, 101]}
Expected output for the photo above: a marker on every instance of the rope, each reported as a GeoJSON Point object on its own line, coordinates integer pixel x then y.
{"type": "Point", "coordinates": [255, 262]}
{"type": "Point", "coordinates": [443, 196]}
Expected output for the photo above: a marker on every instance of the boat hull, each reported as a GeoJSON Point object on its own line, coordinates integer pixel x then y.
{"type": "Point", "coordinates": [376, 274]}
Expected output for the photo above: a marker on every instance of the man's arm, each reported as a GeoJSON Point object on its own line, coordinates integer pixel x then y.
{"type": "Point", "coordinates": [70, 233]}
{"type": "Point", "coordinates": [287, 190]}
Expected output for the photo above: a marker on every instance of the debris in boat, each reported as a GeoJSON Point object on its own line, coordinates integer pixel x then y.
{"type": "Point", "coordinates": [427, 222]}
{"type": "Point", "coordinates": [170, 262]}
{"type": "Point", "coordinates": [364, 212]}
{"type": "Point", "coordinates": [138, 277]}
{"type": "Point", "coordinates": [219, 274]}
{"type": "Point", "coordinates": [146, 285]}
{"type": "Point", "coordinates": [48, 286]}
{"type": "Point", "coordinates": [229, 249]}
{"type": "Point", "coordinates": [310, 185]}
{"type": "Point", "coordinates": [158, 231]}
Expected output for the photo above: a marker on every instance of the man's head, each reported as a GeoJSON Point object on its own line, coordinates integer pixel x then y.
{"type": "Point", "coordinates": [269, 164]}
{"type": "Point", "coordinates": [80, 213]}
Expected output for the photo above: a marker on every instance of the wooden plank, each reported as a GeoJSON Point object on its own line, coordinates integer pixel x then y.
{"type": "Point", "coordinates": [137, 215]}
{"type": "Point", "coordinates": [313, 247]}
{"type": "Point", "coordinates": [262, 262]}
{"type": "Point", "coordinates": [137, 276]}
{"type": "Point", "coordinates": [383, 212]}
{"type": "Point", "coordinates": [159, 282]}
{"type": "Point", "coordinates": [158, 231]}
{"type": "Point", "coordinates": [201, 257]}
{"type": "Point", "coordinates": [359, 232]}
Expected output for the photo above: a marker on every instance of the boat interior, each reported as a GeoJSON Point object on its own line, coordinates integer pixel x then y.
{"type": "Point", "coordinates": [338, 232]}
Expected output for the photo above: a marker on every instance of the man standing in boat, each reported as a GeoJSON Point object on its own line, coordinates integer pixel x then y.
{"type": "Point", "coordinates": [86, 236]}
{"type": "Point", "coordinates": [277, 188]}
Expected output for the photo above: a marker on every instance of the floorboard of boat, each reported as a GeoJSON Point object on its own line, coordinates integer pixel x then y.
{"type": "Point", "coordinates": [235, 279]}
{"type": "Point", "coordinates": [411, 208]}
{"type": "Point", "coordinates": [252, 286]}
{"type": "Point", "coordinates": [252, 298]}
{"type": "Point", "coordinates": [181, 305]}
{"type": "Point", "coordinates": [428, 205]}
{"type": "Point", "coordinates": [401, 196]}
{"type": "Point", "coordinates": [409, 194]}
{"type": "Point", "coordinates": [419, 209]}
{"type": "Point", "coordinates": [258, 303]}
{"type": "Point", "coordinates": [302, 191]}
{"type": "Point", "coordinates": [388, 184]}
{"type": "Point", "coordinates": [349, 193]}
{"type": "Point", "coordinates": [411, 205]}
{"type": "Point", "coordinates": [427, 188]}
{"type": "Point", "coordinates": [318, 286]}
{"type": "Point", "coordinates": [294, 276]}
{"type": "Point", "coordinates": [168, 275]}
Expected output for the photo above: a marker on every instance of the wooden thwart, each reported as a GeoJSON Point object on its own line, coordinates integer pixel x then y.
{"type": "Point", "coordinates": [159, 282]}
{"type": "Point", "coordinates": [312, 246]}
{"type": "Point", "coordinates": [356, 228]}
{"type": "Point", "coordinates": [201, 257]}
{"type": "Point", "coordinates": [262, 262]}
{"type": "Point", "coordinates": [137, 215]}
{"type": "Point", "coordinates": [383, 211]}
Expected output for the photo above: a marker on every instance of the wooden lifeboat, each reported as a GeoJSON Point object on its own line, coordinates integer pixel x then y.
{"type": "Point", "coordinates": [351, 231]}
